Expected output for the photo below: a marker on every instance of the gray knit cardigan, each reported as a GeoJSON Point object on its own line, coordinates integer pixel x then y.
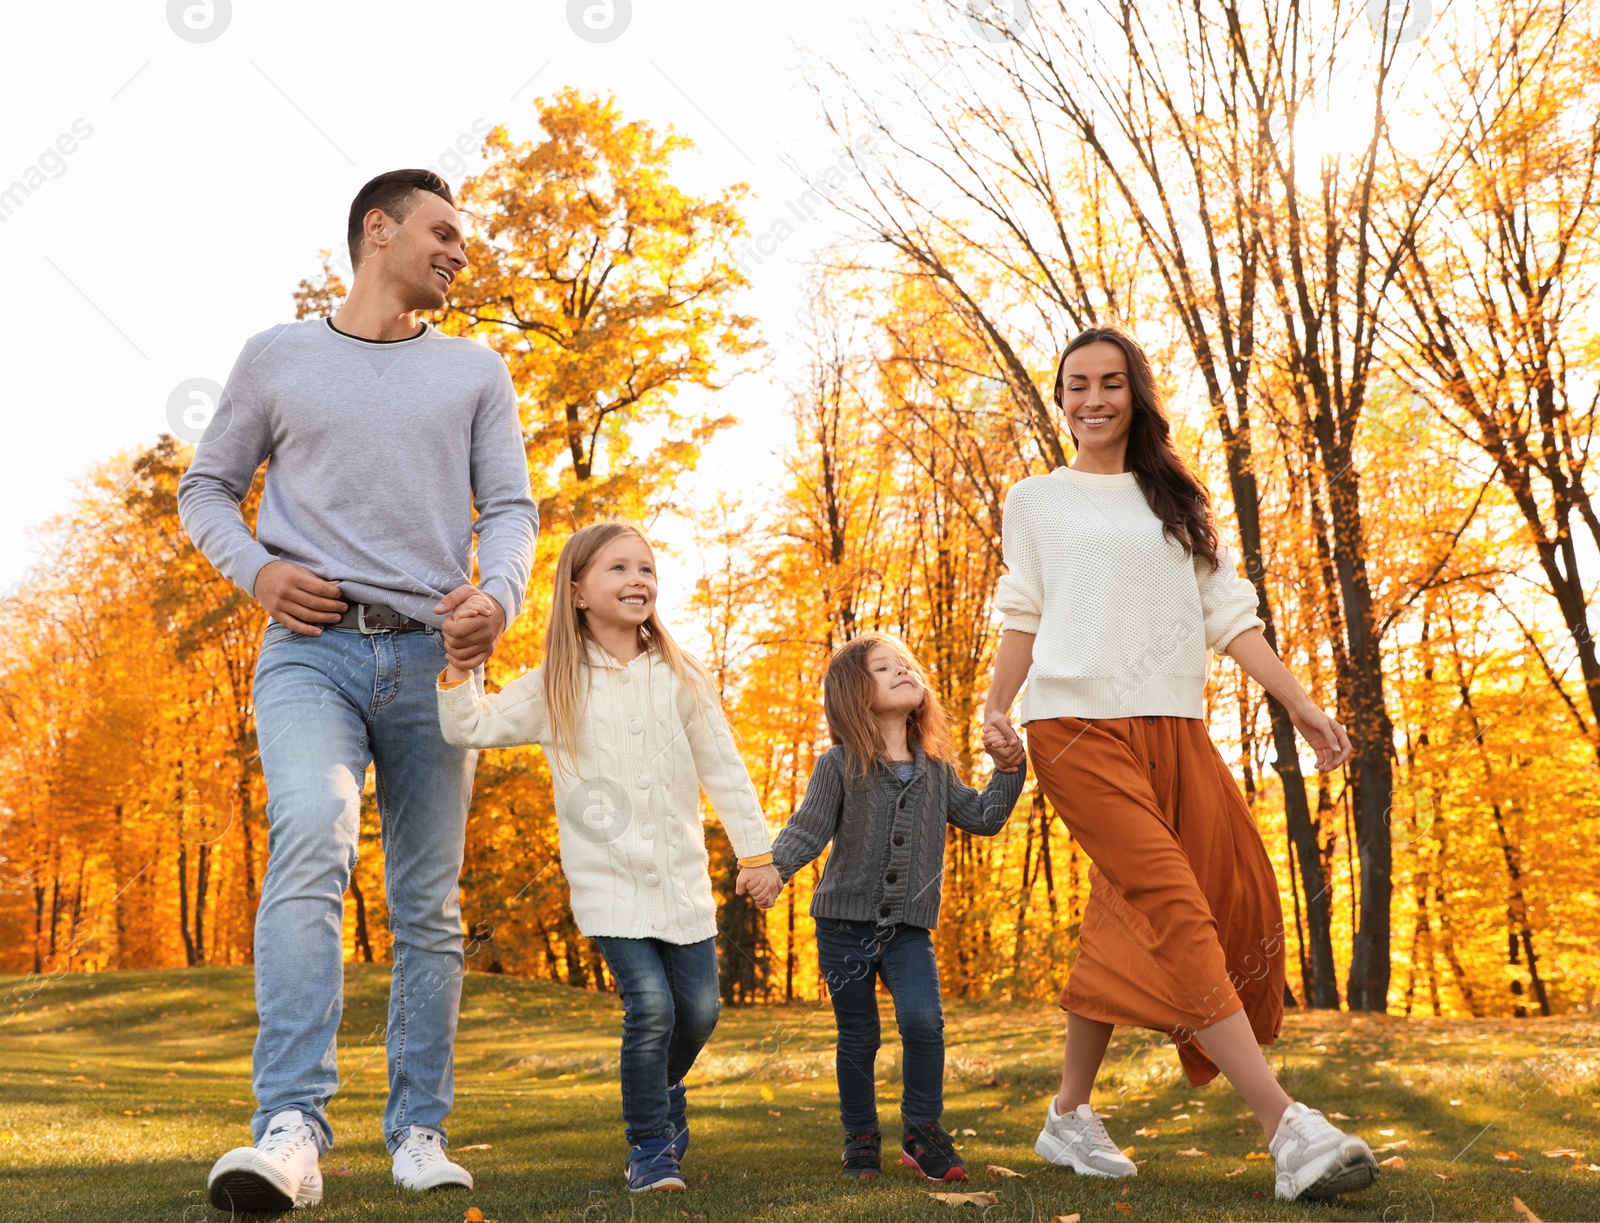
{"type": "Point", "coordinates": [887, 864]}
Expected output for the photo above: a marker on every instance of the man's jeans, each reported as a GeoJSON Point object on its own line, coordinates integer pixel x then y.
{"type": "Point", "coordinates": [670, 1005]}
{"type": "Point", "coordinates": [325, 707]}
{"type": "Point", "coordinates": [852, 955]}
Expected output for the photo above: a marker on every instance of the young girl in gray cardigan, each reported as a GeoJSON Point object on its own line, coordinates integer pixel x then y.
{"type": "Point", "coordinates": [883, 795]}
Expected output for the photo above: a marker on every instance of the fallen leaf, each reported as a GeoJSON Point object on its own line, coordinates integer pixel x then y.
{"type": "Point", "coordinates": [1236, 1171]}
{"type": "Point", "coordinates": [1457, 1103]}
{"type": "Point", "coordinates": [240, 1103]}
{"type": "Point", "coordinates": [1588, 1167]}
{"type": "Point", "coordinates": [1339, 1117]}
{"type": "Point", "coordinates": [477, 1146]}
{"type": "Point", "coordinates": [1444, 1177]}
{"type": "Point", "coordinates": [1521, 1208]}
{"type": "Point", "coordinates": [997, 1170]}
{"type": "Point", "coordinates": [970, 1133]}
{"type": "Point", "coordinates": [967, 1199]}
{"type": "Point", "coordinates": [773, 1112]}
{"type": "Point", "coordinates": [1563, 1153]}
{"type": "Point", "coordinates": [992, 1081]}
{"type": "Point", "coordinates": [1397, 1162]}
{"type": "Point", "coordinates": [341, 1172]}
{"type": "Point", "coordinates": [78, 1078]}
{"type": "Point", "coordinates": [1146, 1132]}
{"type": "Point", "coordinates": [1182, 1117]}
{"type": "Point", "coordinates": [473, 1215]}
{"type": "Point", "coordinates": [1072, 1218]}
{"type": "Point", "coordinates": [1191, 1152]}
{"type": "Point", "coordinates": [766, 1093]}
{"type": "Point", "coordinates": [1123, 1207]}
{"type": "Point", "coordinates": [1398, 1145]}
{"type": "Point", "coordinates": [1506, 1156]}
{"type": "Point", "coordinates": [1387, 1133]}
{"type": "Point", "coordinates": [1258, 1155]}
{"type": "Point", "coordinates": [1128, 1151]}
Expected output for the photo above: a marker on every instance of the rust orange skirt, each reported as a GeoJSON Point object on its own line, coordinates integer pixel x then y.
{"type": "Point", "coordinates": [1183, 926]}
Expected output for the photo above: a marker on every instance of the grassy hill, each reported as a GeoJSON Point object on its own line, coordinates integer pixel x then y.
{"type": "Point", "coordinates": [118, 1090]}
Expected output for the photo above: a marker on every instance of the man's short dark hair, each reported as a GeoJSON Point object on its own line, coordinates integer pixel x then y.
{"type": "Point", "coordinates": [391, 192]}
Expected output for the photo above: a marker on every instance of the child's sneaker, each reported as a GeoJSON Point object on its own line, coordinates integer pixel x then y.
{"type": "Point", "coordinates": [931, 1151]}
{"type": "Point", "coordinates": [678, 1114]}
{"type": "Point", "coordinates": [1078, 1140]}
{"type": "Point", "coordinates": [420, 1163]}
{"type": "Point", "coordinates": [653, 1168]}
{"type": "Point", "coordinates": [279, 1173]}
{"type": "Point", "coordinates": [863, 1156]}
{"type": "Point", "coordinates": [1316, 1159]}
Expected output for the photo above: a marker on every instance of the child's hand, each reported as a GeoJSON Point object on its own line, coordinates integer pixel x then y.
{"type": "Point", "coordinates": [761, 883]}
{"type": "Point", "coordinates": [474, 605]}
{"type": "Point", "coordinates": [1001, 741]}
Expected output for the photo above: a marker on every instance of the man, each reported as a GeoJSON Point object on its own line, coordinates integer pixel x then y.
{"type": "Point", "coordinates": [383, 436]}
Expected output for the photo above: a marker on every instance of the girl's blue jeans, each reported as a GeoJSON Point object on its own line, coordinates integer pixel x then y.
{"type": "Point", "coordinates": [852, 956]}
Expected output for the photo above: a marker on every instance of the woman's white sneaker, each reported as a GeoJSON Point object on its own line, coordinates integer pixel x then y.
{"type": "Point", "coordinates": [1316, 1159]}
{"type": "Point", "coordinates": [421, 1164]}
{"type": "Point", "coordinates": [1078, 1140]}
{"type": "Point", "coordinates": [279, 1173]}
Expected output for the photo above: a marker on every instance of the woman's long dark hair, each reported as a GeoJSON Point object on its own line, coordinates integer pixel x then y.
{"type": "Point", "coordinates": [1174, 493]}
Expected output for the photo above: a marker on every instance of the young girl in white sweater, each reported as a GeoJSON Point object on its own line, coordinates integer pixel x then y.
{"type": "Point", "coordinates": [632, 727]}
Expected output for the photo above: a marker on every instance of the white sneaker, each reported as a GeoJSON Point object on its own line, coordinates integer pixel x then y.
{"type": "Point", "coordinates": [279, 1173]}
{"type": "Point", "coordinates": [421, 1164]}
{"type": "Point", "coordinates": [1316, 1159]}
{"type": "Point", "coordinates": [1079, 1141]}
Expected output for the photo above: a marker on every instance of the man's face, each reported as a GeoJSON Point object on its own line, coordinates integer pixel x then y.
{"type": "Point", "coordinates": [420, 256]}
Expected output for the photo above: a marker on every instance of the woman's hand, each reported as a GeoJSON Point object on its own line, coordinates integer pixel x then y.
{"type": "Point", "coordinates": [1002, 742]}
{"type": "Point", "coordinates": [1326, 737]}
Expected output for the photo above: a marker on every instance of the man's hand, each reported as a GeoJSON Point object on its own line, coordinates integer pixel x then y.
{"type": "Point", "coordinates": [472, 627]}
{"type": "Point", "coordinates": [298, 598]}
{"type": "Point", "coordinates": [761, 883]}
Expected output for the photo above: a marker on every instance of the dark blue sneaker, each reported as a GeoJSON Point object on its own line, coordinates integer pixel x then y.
{"type": "Point", "coordinates": [653, 1168]}
{"type": "Point", "coordinates": [678, 1114]}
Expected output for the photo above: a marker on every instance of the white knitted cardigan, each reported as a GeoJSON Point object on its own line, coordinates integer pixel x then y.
{"type": "Point", "coordinates": [1123, 617]}
{"type": "Point", "coordinates": [632, 844]}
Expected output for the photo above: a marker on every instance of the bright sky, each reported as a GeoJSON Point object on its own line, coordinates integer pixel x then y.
{"type": "Point", "coordinates": [181, 185]}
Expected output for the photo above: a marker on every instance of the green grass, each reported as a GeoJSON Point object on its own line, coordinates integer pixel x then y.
{"type": "Point", "coordinates": [118, 1090]}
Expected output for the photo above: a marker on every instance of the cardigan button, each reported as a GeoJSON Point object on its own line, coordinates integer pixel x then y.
{"type": "Point", "coordinates": [636, 726]}
{"type": "Point", "coordinates": [625, 677]}
{"type": "Point", "coordinates": [653, 879]}
{"type": "Point", "coordinates": [898, 839]}
{"type": "Point", "coordinates": [644, 781]}
{"type": "Point", "coordinates": [660, 922]}
{"type": "Point", "coordinates": [890, 877]}
{"type": "Point", "coordinates": [648, 832]}
{"type": "Point", "coordinates": [884, 910]}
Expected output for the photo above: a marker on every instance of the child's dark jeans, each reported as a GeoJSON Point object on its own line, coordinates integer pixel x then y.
{"type": "Point", "coordinates": [852, 956]}
{"type": "Point", "coordinates": [670, 1004]}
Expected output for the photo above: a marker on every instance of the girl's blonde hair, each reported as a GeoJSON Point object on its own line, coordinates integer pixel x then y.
{"type": "Point", "coordinates": [565, 662]}
{"type": "Point", "coordinates": [847, 688]}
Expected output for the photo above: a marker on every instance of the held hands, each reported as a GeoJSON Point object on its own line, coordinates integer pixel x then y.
{"type": "Point", "coordinates": [472, 626]}
{"type": "Point", "coordinates": [1002, 742]}
{"type": "Point", "coordinates": [761, 883]}
{"type": "Point", "coordinates": [1326, 737]}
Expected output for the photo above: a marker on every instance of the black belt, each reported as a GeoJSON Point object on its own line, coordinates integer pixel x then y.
{"type": "Point", "coordinates": [376, 618]}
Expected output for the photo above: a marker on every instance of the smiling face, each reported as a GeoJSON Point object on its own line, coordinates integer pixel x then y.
{"type": "Point", "coordinates": [895, 687]}
{"type": "Point", "coordinates": [618, 589]}
{"type": "Point", "coordinates": [1097, 400]}
{"type": "Point", "coordinates": [421, 255]}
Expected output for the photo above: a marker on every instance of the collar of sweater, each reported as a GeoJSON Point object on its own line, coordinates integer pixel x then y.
{"type": "Point", "coordinates": [1095, 479]}
{"type": "Point", "coordinates": [599, 656]}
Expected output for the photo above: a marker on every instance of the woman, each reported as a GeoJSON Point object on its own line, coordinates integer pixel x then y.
{"type": "Point", "coordinates": [1117, 588]}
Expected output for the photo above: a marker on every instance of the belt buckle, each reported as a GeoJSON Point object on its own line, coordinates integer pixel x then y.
{"type": "Point", "coordinates": [361, 621]}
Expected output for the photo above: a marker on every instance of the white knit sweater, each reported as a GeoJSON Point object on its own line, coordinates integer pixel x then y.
{"type": "Point", "coordinates": [632, 844]}
{"type": "Point", "coordinates": [1123, 617]}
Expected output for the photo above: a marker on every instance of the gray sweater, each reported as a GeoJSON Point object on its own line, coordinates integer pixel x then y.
{"type": "Point", "coordinates": [380, 453]}
{"type": "Point", "coordinates": [887, 864]}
